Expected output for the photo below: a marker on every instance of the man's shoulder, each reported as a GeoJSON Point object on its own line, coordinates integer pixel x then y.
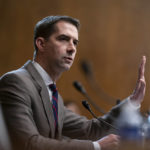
{"type": "Point", "coordinates": [16, 75]}
{"type": "Point", "coordinates": [18, 72]}
{"type": "Point", "coordinates": [26, 77]}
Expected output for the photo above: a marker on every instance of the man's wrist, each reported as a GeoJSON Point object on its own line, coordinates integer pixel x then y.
{"type": "Point", "coordinates": [133, 103]}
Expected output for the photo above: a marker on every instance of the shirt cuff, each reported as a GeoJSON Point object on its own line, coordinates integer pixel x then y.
{"type": "Point", "coordinates": [133, 104]}
{"type": "Point", "coordinates": [96, 146]}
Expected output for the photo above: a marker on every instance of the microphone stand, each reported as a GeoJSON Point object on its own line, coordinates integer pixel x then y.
{"type": "Point", "coordinates": [81, 89]}
{"type": "Point", "coordinates": [87, 106]}
{"type": "Point", "coordinates": [86, 68]}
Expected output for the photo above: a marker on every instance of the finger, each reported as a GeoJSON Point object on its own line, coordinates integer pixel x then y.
{"type": "Point", "coordinates": [140, 75]}
{"type": "Point", "coordinates": [136, 91]}
{"type": "Point", "coordinates": [139, 92]}
{"type": "Point", "coordinates": [116, 145]}
{"type": "Point", "coordinates": [142, 67]}
{"type": "Point", "coordinates": [137, 87]}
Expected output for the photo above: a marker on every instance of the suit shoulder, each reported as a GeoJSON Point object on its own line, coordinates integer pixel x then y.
{"type": "Point", "coordinates": [14, 75]}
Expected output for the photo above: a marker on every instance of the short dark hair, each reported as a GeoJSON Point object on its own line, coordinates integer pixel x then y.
{"type": "Point", "coordinates": [45, 27]}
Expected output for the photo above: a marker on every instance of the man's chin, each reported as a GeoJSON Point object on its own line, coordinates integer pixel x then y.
{"type": "Point", "coordinates": [65, 66]}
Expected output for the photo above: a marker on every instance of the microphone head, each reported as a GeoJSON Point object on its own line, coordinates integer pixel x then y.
{"type": "Point", "coordinates": [86, 105]}
{"type": "Point", "coordinates": [86, 68]}
{"type": "Point", "coordinates": [118, 101]}
{"type": "Point", "coordinates": [79, 87]}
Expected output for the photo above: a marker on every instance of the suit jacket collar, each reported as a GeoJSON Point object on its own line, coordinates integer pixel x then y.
{"type": "Point", "coordinates": [39, 83]}
{"type": "Point", "coordinates": [45, 76]}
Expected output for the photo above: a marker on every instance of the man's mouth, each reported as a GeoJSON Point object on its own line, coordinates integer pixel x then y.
{"type": "Point", "coordinates": [68, 59]}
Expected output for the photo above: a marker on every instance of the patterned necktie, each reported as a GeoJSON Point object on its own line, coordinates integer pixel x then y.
{"type": "Point", "coordinates": [55, 103]}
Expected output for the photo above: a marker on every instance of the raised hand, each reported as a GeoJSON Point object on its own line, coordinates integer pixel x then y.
{"type": "Point", "coordinates": [139, 92]}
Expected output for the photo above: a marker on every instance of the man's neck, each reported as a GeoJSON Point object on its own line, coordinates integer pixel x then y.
{"type": "Point", "coordinates": [51, 72]}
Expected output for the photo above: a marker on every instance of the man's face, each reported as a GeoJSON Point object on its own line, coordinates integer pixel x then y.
{"type": "Point", "coordinates": [60, 48]}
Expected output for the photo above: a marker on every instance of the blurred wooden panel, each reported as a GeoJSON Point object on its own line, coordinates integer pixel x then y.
{"type": "Point", "coordinates": [113, 37]}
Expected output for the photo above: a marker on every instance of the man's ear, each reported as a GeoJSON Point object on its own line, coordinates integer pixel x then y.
{"type": "Point", "coordinates": [40, 43]}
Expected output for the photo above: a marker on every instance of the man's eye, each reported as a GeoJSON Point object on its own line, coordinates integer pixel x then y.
{"type": "Point", "coordinates": [75, 43]}
{"type": "Point", "coordinates": [63, 38]}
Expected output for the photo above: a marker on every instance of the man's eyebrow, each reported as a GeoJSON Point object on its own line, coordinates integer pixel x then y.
{"type": "Point", "coordinates": [67, 36]}
{"type": "Point", "coordinates": [63, 35]}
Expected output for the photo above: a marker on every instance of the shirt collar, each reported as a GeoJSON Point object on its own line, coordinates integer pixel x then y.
{"type": "Point", "coordinates": [45, 76]}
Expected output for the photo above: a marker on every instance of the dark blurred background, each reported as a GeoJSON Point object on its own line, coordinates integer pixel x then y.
{"type": "Point", "coordinates": [114, 35]}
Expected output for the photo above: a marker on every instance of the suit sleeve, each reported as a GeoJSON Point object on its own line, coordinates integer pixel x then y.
{"type": "Point", "coordinates": [17, 109]}
{"type": "Point", "coordinates": [80, 127]}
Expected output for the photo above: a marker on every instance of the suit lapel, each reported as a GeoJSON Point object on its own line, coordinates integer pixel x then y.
{"type": "Point", "coordinates": [60, 115]}
{"type": "Point", "coordinates": [48, 109]}
{"type": "Point", "coordinates": [43, 93]}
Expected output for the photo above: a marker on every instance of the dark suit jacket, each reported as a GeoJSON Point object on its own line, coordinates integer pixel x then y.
{"type": "Point", "coordinates": [29, 116]}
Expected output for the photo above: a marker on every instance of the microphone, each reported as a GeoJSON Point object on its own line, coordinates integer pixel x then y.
{"type": "Point", "coordinates": [79, 87]}
{"type": "Point", "coordinates": [87, 69]}
{"type": "Point", "coordinates": [87, 106]}
{"type": "Point", "coordinates": [82, 90]}
{"type": "Point", "coordinates": [118, 101]}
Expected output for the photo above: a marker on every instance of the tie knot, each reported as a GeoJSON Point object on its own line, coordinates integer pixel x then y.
{"type": "Point", "coordinates": [53, 87]}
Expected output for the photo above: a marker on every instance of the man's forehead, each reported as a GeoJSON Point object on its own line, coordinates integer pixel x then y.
{"type": "Point", "coordinates": [64, 27]}
{"type": "Point", "coordinates": [61, 22]}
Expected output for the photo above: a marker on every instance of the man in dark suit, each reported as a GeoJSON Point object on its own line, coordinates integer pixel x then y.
{"type": "Point", "coordinates": [35, 115]}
